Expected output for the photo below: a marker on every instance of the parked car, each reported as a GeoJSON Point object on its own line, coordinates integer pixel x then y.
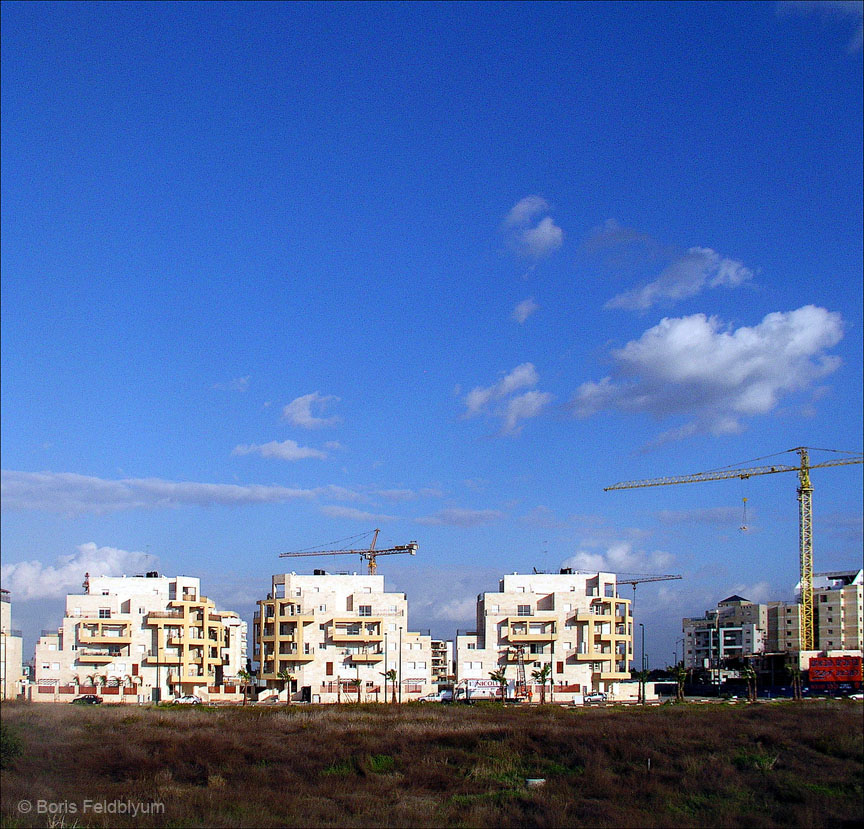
{"type": "Point", "coordinates": [87, 699]}
{"type": "Point", "coordinates": [189, 699]}
{"type": "Point", "coordinates": [595, 696]}
{"type": "Point", "coordinates": [439, 696]}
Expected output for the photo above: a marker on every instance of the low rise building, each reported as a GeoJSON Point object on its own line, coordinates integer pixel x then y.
{"type": "Point", "coordinates": [336, 637]}
{"type": "Point", "coordinates": [144, 637]}
{"type": "Point", "coordinates": [11, 651]}
{"type": "Point", "coordinates": [574, 623]}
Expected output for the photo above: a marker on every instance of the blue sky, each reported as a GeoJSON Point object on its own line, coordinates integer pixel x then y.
{"type": "Point", "coordinates": [276, 275]}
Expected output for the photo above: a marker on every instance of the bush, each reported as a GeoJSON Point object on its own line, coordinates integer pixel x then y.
{"type": "Point", "coordinates": [10, 746]}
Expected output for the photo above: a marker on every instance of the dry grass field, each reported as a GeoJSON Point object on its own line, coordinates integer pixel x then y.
{"type": "Point", "coordinates": [779, 764]}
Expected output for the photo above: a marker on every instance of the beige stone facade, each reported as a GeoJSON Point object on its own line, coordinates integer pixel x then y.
{"type": "Point", "coordinates": [574, 622]}
{"type": "Point", "coordinates": [10, 651]}
{"type": "Point", "coordinates": [334, 637]}
{"type": "Point", "coordinates": [141, 637]}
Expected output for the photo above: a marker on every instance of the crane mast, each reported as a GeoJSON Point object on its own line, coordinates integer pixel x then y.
{"type": "Point", "coordinates": [805, 515]}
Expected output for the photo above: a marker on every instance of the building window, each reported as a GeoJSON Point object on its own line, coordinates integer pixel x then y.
{"type": "Point", "coordinates": [104, 612]}
{"type": "Point", "coordinates": [322, 608]}
{"type": "Point", "coordinates": [524, 610]}
{"type": "Point", "coordinates": [365, 610]}
{"type": "Point", "coordinates": [472, 646]}
{"type": "Point", "coordinates": [609, 591]}
{"type": "Point", "coordinates": [328, 670]}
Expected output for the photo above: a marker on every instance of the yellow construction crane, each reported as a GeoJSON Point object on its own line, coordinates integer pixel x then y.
{"type": "Point", "coordinates": [805, 513]}
{"type": "Point", "coordinates": [369, 555]}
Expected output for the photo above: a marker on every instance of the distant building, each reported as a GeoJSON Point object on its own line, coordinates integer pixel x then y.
{"type": "Point", "coordinates": [142, 637]}
{"type": "Point", "coordinates": [735, 629]}
{"type": "Point", "coordinates": [574, 622]}
{"type": "Point", "coordinates": [740, 628]}
{"type": "Point", "coordinates": [11, 673]}
{"type": "Point", "coordinates": [443, 668]}
{"type": "Point", "coordinates": [336, 636]}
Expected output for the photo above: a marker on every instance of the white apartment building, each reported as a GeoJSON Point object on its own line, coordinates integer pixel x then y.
{"type": "Point", "coordinates": [334, 638]}
{"type": "Point", "coordinates": [140, 638]}
{"type": "Point", "coordinates": [11, 673]}
{"type": "Point", "coordinates": [574, 622]}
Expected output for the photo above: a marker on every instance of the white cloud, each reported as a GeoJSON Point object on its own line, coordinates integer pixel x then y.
{"type": "Point", "coordinates": [30, 580]}
{"type": "Point", "coordinates": [456, 517]}
{"type": "Point", "coordinates": [73, 494]}
{"type": "Point", "coordinates": [523, 376]}
{"type": "Point", "coordinates": [524, 310]}
{"type": "Point", "coordinates": [353, 514]}
{"type": "Point", "coordinates": [287, 450]}
{"type": "Point", "coordinates": [759, 592]}
{"type": "Point", "coordinates": [302, 411]}
{"type": "Point", "coordinates": [491, 399]}
{"type": "Point", "coordinates": [524, 407]}
{"type": "Point", "coordinates": [688, 275]}
{"type": "Point", "coordinates": [531, 238]}
{"type": "Point", "coordinates": [840, 9]}
{"type": "Point", "coordinates": [237, 384]}
{"type": "Point", "coordinates": [620, 558]}
{"type": "Point", "coordinates": [693, 366]}
{"type": "Point", "coordinates": [525, 210]}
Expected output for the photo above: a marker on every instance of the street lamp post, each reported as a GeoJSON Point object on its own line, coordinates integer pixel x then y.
{"type": "Point", "coordinates": [642, 672]}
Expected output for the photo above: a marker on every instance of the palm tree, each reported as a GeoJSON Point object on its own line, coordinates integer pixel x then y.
{"type": "Point", "coordinates": [390, 676]}
{"type": "Point", "coordinates": [750, 675]}
{"type": "Point", "coordinates": [795, 676]}
{"type": "Point", "coordinates": [540, 675]}
{"type": "Point", "coordinates": [245, 680]}
{"type": "Point", "coordinates": [680, 673]}
{"type": "Point", "coordinates": [287, 677]}
{"type": "Point", "coordinates": [500, 677]}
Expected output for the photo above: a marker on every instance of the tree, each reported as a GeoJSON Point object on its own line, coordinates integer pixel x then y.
{"type": "Point", "coordinates": [795, 676]}
{"type": "Point", "coordinates": [750, 675]}
{"type": "Point", "coordinates": [390, 676]}
{"type": "Point", "coordinates": [500, 677]}
{"type": "Point", "coordinates": [245, 680]}
{"type": "Point", "coordinates": [287, 678]}
{"type": "Point", "coordinates": [680, 674]}
{"type": "Point", "coordinates": [540, 675]}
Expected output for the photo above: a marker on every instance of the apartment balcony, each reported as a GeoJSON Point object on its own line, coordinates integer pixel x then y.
{"type": "Point", "coordinates": [164, 614]}
{"type": "Point", "coordinates": [100, 637]}
{"type": "Point", "coordinates": [366, 658]}
{"type": "Point", "coordinates": [296, 657]}
{"type": "Point", "coordinates": [304, 618]}
{"type": "Point", "coordinates": [524, 632]}
{"type": "Point", "coordinates": [94, 657]}
{"type": "Point", "coordinates": [162, 660]}
{"type": "Point", "coordinates": [594, 616]}
{"type": "Point", "coordinates": [527, 658]}
{"type": "Point", "coordinates": [338, 631]}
